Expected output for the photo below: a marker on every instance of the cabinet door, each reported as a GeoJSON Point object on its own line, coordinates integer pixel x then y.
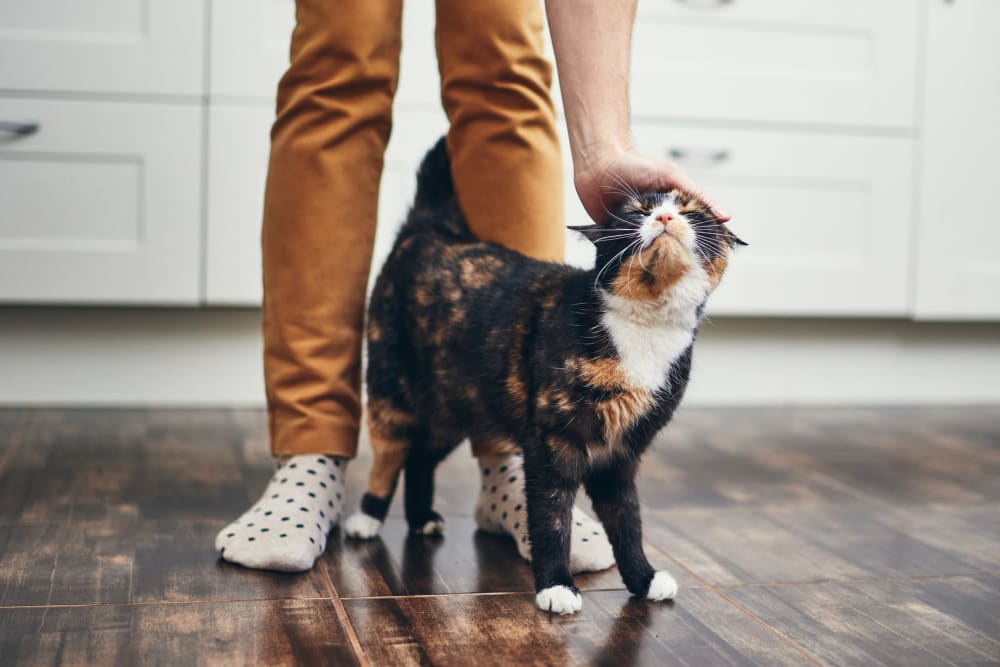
{"type": "Point", "coordinates": [250, 47]}
{"type": "Point", "coordinates": [101, 204]}
{"type": "Point", "coordinates": [827, 217]}
{"type": "Point", "coordinates": [115, 46]}
{"type": "Point", "coordinates": [842, 62]}
{"type": "Point", "coordinates": [958, 267]}
{"type": "Point", "coordinates": [238, 151]}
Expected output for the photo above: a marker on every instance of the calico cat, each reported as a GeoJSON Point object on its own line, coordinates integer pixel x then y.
{"type": "Point", "coordinates": [580, 369]}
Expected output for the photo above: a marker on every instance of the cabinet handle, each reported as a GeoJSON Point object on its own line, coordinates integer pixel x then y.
{"type": "Point", "coordinates": [22, 129]}
{"type": "Point", "coordinates": [699, 155]}
{"type": "Point", "coordinates": [706, 4]}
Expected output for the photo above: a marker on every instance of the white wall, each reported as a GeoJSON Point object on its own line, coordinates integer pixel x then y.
{"type": "Point", "coordinates": [87, 356]}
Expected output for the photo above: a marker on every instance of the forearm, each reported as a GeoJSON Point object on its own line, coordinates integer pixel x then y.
{"type": "Point", "coordinates": [592, 40]}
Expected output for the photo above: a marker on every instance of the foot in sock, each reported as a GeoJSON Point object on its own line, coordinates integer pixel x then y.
{"type": "Point", "coordinates": [501, 509]}
{"type": "Point", "coordinates": [286, 529]}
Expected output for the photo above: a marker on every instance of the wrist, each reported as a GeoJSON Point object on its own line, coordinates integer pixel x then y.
{"type": "Point", "coordinates": [593, 156]}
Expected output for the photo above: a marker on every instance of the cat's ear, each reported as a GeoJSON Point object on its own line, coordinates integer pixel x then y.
{"type": "Point", "coordinates": [592, 232]}
{"type": "Point", "coordinates": [734, 240]}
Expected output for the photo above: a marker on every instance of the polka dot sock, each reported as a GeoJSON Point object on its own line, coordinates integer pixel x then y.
{"type": "Point", "coordinates": [501, 509]}
{"type": "Point", "coordinates": [286, 529]}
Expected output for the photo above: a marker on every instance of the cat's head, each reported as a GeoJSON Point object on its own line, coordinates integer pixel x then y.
{"type": "Point", "coordinates": [651, 241]}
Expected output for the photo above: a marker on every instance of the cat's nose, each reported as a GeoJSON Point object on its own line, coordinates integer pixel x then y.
{"type": "Point", "coordinates": [664, 218]}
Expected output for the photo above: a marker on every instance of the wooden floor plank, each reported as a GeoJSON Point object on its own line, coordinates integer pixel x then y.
{"type": "Point", "coordinates": [699, 629]}
{"type": "Point", "coordinates": [901, 622]}
{"type": "Point", "coordinates": [276, 632]}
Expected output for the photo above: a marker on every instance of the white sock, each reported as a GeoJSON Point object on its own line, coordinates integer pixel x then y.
{"type": "Point", "coordinates": [501, 509]}
{"type": "Point", "coordinates": [286, 529]}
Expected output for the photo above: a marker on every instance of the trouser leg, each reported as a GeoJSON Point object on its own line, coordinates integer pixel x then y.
{"type": "Point", "coordinates": [327, 144]}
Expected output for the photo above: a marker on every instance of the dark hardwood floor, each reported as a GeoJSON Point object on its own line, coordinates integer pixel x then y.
{"type": "Point", "coordinates": [799, 537]}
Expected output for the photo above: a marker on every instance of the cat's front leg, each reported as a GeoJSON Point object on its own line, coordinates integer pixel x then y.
{"type": "Point", "coordinates": [616, 503]}
{"type": "Point", "coordinates": [549, 496]}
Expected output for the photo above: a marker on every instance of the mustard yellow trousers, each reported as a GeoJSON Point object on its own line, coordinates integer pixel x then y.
{"type": "Point", "coordinates": [334, 117]}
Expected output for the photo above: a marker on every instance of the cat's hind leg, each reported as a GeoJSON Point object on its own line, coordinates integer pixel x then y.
{"type": "Point", "coordinates": [393, 431]}
{"type": "Point", "coordinates": [419, 495]}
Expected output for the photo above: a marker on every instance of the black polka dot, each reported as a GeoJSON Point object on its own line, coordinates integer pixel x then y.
{"type": "Point", "coordinates": [256, 509]}
{"type": "Point", "coordinates": [336, 463]}
{"type": "Point", "coordinates": [303, 509]}
{"type": "Point", "coordinates": [312, 495]}
{"type": "Point", "coordinates": [250, 525]}
{"type": "Point", "coordinates": [338, 495]}
{"type": "Point", "coordinates": [578, 523]}
{"type": "Point", "coordinates": [513, 478]}
{"type": "Point", "coordinates": [504, 497]}
{"type": "Point", "coordinates": [321, 461]}
{"type": "Point", "coordinates": [223, 550]}
{"type": "Point", "coordinates": [503, 469]}
{"type": "Point", "coordinates": [524, 538]}
{"type": "Point", "coordinates": [274, 496]}
{"type": "Point", "coordinates": [493, 506]}
{"type": "Point", "coordinates": [323, 516]}
{"type": "Point", "coordinates": [264, 530]}
{"type": "Point", "coordinates": [230, 534]}
{"type": "Point", "coordinates": [517, 525]}
{"type": "Point", "coordinates": [285, 479]}
{"type": "Point", "coordinates": [517, 508]}
{"type": "Point", "coordinates": [284, 518]}
{"type": "Point", "coordinates": [318, 527]}
{"type": "Point", "coordinates": [330, 502]}
{"type": "Point", "coordinates": [333, 478]}
{"type": "Point", "coordinates": [268, 513]}
{"type": "Point", "coordinates": [251, 539]}
{"type": "Point", "coordinates": [504, 515]}
{"type": "Point", "coordinates": [294, 465]}
{"type": "Point", "coordinates": [493, 490]}
{"type": "Point", "coordinates": [486, 471]}
{"type": "Point", "coordinates": [283, 535]}
{"type": "Point", "coordinates": [312, 540]}
{"type": "Point", "coordinates": [311, 472]}
{"type": "Point", "coordinates": [584, 539]}
{"type": "Point", "coordinates": [300, 483]}
{"type": "Point", "coordinates": [323, 484]}
{"type": "Point", "coordinates": [300, 525]}
{"type": "Point", "coordinates": [595, 532]}
{"type": "Point", "coordinates": [290, 500]}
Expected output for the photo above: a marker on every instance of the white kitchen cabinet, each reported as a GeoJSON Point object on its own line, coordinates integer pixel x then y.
{"type": "Point", "coordinates": [250, 49]}
{"type": "Point", "coordinates": [838, 62]}
{"type": "Point", "coordinates": [958, 249]}
{"type": "Point", "coordinates": [103, 46]}
{"type": "Point", "coordinates": [101, 204]}
{"type": "Point", "coordinates": [827, 216]}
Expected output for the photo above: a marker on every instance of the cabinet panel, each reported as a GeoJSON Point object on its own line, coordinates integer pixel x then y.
{"type": "Point", "coordinates": [113, 46]}
{"type": "Point", "coordinates": [827, 217]}
{"type": "Point", "coordinates": [958, 263]}
{"type": "Point", "coordinates": [250, 49]}
{"type": "Point", "coordinates": [102, 204]}
{"type": "Point", "coordinates": [844, 62]}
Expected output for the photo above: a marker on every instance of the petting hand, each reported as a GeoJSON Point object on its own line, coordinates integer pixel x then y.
{"type": "Point", "coordinates": [608, 177]}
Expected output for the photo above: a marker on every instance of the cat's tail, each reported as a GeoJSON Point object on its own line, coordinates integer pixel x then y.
{"type": "Point", "coordinates": [435, 205]}
{"type": "Point", "coordinates": [434, 186]}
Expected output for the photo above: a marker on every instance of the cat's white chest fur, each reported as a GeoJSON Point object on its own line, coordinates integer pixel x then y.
{"type": "Point", "coordinates": [648, 337]}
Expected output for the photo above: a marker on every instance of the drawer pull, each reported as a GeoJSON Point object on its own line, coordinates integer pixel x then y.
{"type": "Point", "coordinates": [698, 155]}
{"type": "Point", "coordinates": [707, 4]}
{"type": "Point", "coordinates": [22, 129]}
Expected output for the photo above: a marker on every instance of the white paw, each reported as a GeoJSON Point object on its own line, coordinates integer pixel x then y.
{"type": "Point", "coordinates": [432, 527]}
{"type": "Point", "coordinates": [559, 600]}
{"type": "Point", "coordinates": [361, 526]}
{"type": "Point", "coordinates": [662, 587]}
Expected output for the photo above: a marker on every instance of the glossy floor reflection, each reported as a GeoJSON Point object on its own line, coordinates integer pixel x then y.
{"type": "Point", "coordinates": [802, 537]}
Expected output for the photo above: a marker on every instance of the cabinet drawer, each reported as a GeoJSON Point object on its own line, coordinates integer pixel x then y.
{"type": "Point", "coordinates": [237, 159]}
{"type": "Point", "coordinates": [843, 62]}
{"type": "Point", "coordinates": [250, 49]}
{"type": "Point", "coordinates": [828, 217]}
{"type": "Point", "coordinates": [111, 46]}
{"type": "Point", "coordinates": [101, 205]}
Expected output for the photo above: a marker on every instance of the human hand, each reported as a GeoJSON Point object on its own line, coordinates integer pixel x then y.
{"type": "Point", "coordinates": [608, 175]}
